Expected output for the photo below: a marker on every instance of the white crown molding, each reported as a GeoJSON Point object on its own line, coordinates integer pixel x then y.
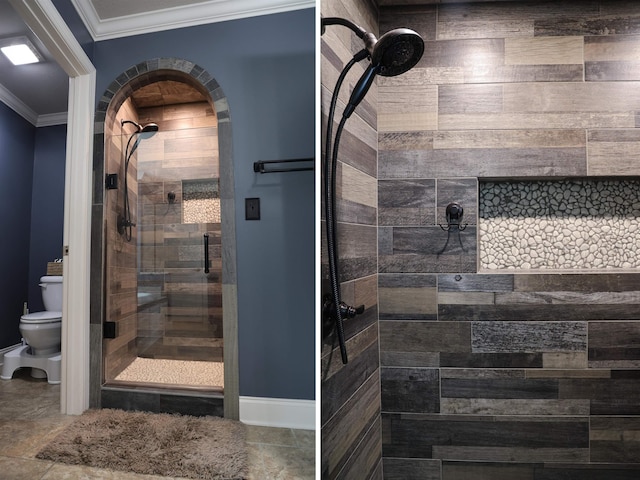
{"type": "Point", "coordinates": [51, 119]}
{"type": "Point", "coordinates": [18, 106]}
{"type": "Point", "coordinates": [181, 17]}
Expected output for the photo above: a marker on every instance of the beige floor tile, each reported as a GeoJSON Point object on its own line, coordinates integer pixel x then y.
{"type": "Point", "coordinates": [271, 435]}
{"type": "Point", "coordinates": [287, 463]}
{"type": "Point", "coordinates": [74, 472]}
{"type": "Point", "coordinates": [23, 469]}
{"type": "Point", "coordinates": [305, 438]}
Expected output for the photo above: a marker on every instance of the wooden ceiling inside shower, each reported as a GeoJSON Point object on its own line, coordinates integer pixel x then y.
{"type": "Point", "coordinates": [166, 92]}
{"type": "Point", "coordinates": [386, 3]}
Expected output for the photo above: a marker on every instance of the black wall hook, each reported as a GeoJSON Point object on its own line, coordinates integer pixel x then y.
{"type": "Point", "coordinates": [454, 213]}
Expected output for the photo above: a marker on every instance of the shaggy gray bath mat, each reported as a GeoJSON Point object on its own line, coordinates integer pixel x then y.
{"type": "Point", "coordinates": [153, 443]}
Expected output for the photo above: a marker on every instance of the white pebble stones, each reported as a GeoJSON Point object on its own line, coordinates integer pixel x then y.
{"type": "Point", "coordinates": [568, 224]}
{"type": "Point", "coordinates": [201, 202]}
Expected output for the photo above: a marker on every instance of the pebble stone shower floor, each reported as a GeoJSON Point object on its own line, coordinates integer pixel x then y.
{"type": "Point", "coordinates": [174, 372]}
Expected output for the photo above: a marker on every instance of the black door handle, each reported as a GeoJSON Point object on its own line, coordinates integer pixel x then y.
{"type": "Point", "coordinates": [206, 253]}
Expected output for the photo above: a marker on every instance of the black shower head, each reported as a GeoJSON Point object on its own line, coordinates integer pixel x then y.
{"type": "Point", "coordinates": [394, 53]}
{"type": "Point", "coordinates": [148, 128]}
{"type": "Point", "coordinates": [397, 51]}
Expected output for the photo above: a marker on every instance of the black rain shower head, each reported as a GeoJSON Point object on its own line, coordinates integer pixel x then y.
{"type": "Point", "coordinates": [142, 132]}
{"type": "Point", "coordinates": [394, 53]}
{"type": "Point", "coordinates": [397, 51]}
{"type": "Point", "coordinates": [148, 128]}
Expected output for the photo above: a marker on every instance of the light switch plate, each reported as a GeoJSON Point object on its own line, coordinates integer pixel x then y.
{"type": "Point", "coordinates": [252, 208]}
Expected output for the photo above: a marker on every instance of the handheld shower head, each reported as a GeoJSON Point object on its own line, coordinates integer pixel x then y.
{"type": "Point", "coordinates": [149, 128]}
{"type": "Point", "coordinates": [394, 53]}
{"type": "Point", "coordinates": [142, 132]}
{"type": "Point", "coordinates": [397, 51]}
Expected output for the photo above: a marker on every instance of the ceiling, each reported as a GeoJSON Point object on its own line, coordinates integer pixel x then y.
{"type": "Point", "coordinates": [166, 92]}
{"type": "Point", "coordinates": [39, 92]}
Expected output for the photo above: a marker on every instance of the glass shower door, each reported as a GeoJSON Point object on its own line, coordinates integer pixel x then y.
{"type": "Point", "coordinates": [173, 336]}
{"type": "Point", "coordinates": [180, 326]}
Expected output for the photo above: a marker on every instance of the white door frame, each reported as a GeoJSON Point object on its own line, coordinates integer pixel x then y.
{"type": "Point", "coordinates": [43, 18]}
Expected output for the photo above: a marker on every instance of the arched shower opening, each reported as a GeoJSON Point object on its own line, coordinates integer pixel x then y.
{"type": "Point", "coordinates": [163, 222]}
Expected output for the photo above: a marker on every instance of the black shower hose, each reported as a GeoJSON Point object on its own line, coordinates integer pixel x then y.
{"type": "Point", "coordinates": [330, 166]}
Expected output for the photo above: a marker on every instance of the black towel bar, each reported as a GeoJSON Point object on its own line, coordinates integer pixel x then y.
{"type": "Point", "coordinates": [259, 167]}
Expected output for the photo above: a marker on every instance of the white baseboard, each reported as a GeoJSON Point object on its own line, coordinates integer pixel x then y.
{"type": "Point", "coordinates": [278, 412]}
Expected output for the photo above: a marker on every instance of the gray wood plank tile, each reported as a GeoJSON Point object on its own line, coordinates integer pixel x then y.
{"type": "Point", "coordinates": [452, 53]}
{"type": "Point", "coordinates": [411, 336]}
{"type": "Point", "coordinates": [406, 202]}
{"type": "Point", "coordinates": [415, 435]}
{"type": "Point", "coordinates": [615, 439]}
{"type": "Point", "coordinates": [529, 406]}
{"type": "Point", "coordinates": [343, 432]}
{"type": "Point", "coordinates": [524, 73]}
{"type": "Point", "coordinates": [421, 19]}
{"type": "Point", "coordinates": [415, 390]}
{"type": "Point", "coordinates": [507, 337]}
{"type": "Point", "coordinates": [614, 344]}
{"type": "Point", "coordinates": [491, 360]}
{"type": "Point", "coordinates": [457, 99]}
{"type": "Point", "coordinates": [500, 388]}
{"type": "Point", "coordinates": [476, 283]}
{"type": "Point", "coordinates": [411, 469]}
{"type": "Point", "coordinates": [579, 25]}
{"type": "Point", "coordinates": [452, 470]}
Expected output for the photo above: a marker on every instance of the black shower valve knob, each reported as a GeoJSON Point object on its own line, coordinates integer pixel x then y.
{"type": "Point", "coordinates": [347, 311]}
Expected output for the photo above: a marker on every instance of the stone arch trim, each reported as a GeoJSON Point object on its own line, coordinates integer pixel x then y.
{"type": "Point", "coordinates": [137, 76]}
{"type": "Point", "coordinates": [151, 71]}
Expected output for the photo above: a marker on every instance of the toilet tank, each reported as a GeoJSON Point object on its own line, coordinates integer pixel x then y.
{"type": "Point", "coordinates": [51, 287]}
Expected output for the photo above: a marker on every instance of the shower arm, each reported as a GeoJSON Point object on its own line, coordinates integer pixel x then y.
{"type": "Point", "coordinates": [333, 309]}
{"type": "Point", "coordinates": [368, 38]}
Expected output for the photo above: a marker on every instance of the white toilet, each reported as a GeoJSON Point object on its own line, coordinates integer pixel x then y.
{"type": "Point", "coordinates": [42, 333]}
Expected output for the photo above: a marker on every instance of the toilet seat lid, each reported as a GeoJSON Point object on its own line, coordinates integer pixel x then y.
{"type": "Point", "coordinates": [42, 317]}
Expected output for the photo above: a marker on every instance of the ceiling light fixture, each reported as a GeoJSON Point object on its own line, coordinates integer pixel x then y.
{"type": "Point", "coordinates": [20, 51]}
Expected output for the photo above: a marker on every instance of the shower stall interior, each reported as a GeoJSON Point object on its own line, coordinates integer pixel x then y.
{"type": "Point", "coordinates": [163, 257]}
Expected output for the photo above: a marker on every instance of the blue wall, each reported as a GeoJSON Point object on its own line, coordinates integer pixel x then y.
{"type": "Point", "coordinates": [17, 137]}
{"type": "Point", "coordinates": [47, 206]}
{"type": "Point", "coordinates": [266, 68]}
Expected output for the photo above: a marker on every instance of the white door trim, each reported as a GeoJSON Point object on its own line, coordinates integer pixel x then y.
{"type": "Point", "coordinates": [43, 18]}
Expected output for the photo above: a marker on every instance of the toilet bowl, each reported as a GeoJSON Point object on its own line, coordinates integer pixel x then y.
{"type": "Point", "coordinates": [41, 332]}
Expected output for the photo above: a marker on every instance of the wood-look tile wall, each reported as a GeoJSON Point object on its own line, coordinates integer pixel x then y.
{"type": "Point", "coordinates": [510, 376]}
{"type": "Point", "coordinates": [120, 258]}
{"type": "Point", "coordinates": [350, 406]}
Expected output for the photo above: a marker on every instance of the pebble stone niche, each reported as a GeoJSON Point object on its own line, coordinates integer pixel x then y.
{"type": "Point", "coordinates": [201, 201]}
{"type": "Point", "coordinates": [559, 225]}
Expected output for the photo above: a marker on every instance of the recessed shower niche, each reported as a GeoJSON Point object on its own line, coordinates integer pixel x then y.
{"type": "Point", "coordinates": [200, 201]}
{"type": "Point", "coordinates": [567, 224]}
